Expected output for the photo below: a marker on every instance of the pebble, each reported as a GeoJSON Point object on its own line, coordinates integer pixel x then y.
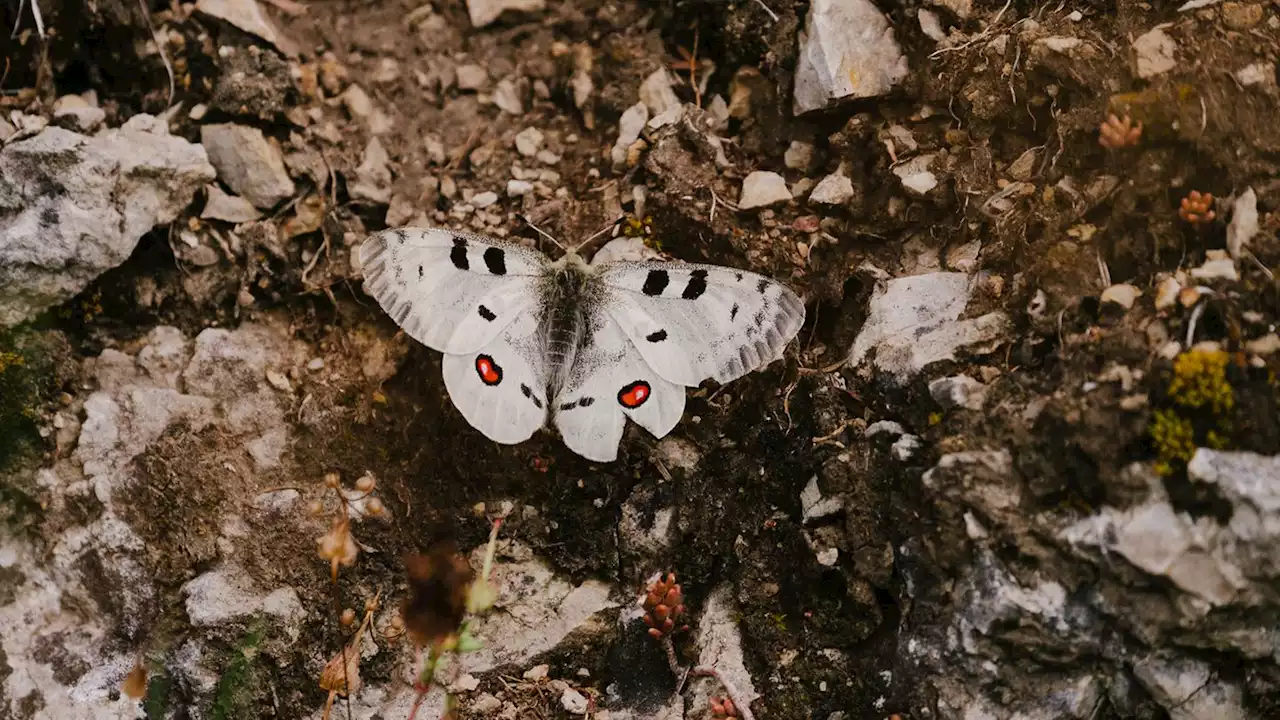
{"type": "Point", "coordinates": [518, 188]}
{"type": "Point", "coordinates": [834, 189]}
{"type": "Point", "coordinates": [958, 391]}
{"type": "Point", "coordinates": [763, 188]}
{"type": "Point", "coordinates": [1155, 53]}
{"type": "Point", "coordinates": [798, 156]}
{"type": "Point", "coordinates": [842, 34]}
{"type": "Point", "coordinates": [484, 199]}
{"type": "Point", "coordinates": [507, 97]}
{"type": "Point", "coordinates": [1122, 294]}
{"type": "Point", "coordinates": [546, 157]}
{"type": "Point", "coordinates": [537, 672]}
{"type": "Point", "coordinates": [250, 165]}
{"type": "Point", "coordinates": [1167, 293]}
{"type": "Point", "coordinates": [574, 702]}
{"type": "Point", "coordinates": [1219, 266]}
{"type": "Point", "coordinates": [227, 208]}
{"type": "Point", "coordinates": [472, 77]}
{"type": "Point", "coordinates": [529, 141]}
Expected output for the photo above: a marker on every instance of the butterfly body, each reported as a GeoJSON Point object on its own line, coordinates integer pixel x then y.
{"type": "Point", "coordinates": [526, 339]}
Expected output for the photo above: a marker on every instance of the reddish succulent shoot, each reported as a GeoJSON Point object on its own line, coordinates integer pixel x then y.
{"type": "Point", "coordinates": [1115, 133]}
{"type": "Point", "coordinates": [723, 708]}
{"type": "Point", "coordinates": [1197, 208]}
{"type": "Point", "coordinates": [664, 607]}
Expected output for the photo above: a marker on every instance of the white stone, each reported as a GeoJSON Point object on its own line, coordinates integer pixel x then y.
{"type": "Point", "coordinates": [958, 391]}
{"type": "Point", "coordinates": [536, 609]}
{"type": "Point", "coordinates": [834, 189]}
{"type": "Point", "coordinates": [247, 15]}
{"type": "Point", "coordinates": [931, 25]}
{"type": "Point", "coordinates": [847, 50]}
{"type": "Point", "coordinates": [484, 199]}
{"type": "Point", "coordinates": [656, 93]}
{"type": "Point", "coordinates": [250, 165]}
{"type": "Point", "coordinates": [1244, 222]}
{"type": "Point", "coordinates": [814, 506]}
{"type": "Point", "coordinates": [799, 155]}
{"type": "Point", "coordinates": [472, 77]}
{"type": "Point", "coordinates": [507, 97]}
{"type": "Point", "coordinates": [762, 189]}
{"type": "Point", "coordinates": [373, 176]}
{"type": "Point", "coordinates": [519, 188]}
{"type": "Point", "coordinates": [914, 321]}
{"type": "Point", "coordinates": [625, 249]}
{"type": "Point", "coordinates": [1122, 294]}
{"type": "Point", "coordinates": [115, 187]}
{"type": "Point", "coordinates": [1155, 52]}
{"type": "Point", "coordinates": [228, 208]}
{"type": "Point", "coordinates": [1218, 266]}
{"type": "Point", "coordinates": [484, 12]}
{"type": "Point", "coordinates": [537, 672]}
{"type": "Point", "coordinates": [574, 702]}
{"type": "Point", "coordinates": [1189, 689]}
{"type": "Point", "coordinates": [1167, 293]}
{"type": "Point", "coordinates": [915, 174]}
{"type": "Point", "coordinates": [905, 448]}
{"type": "Point", "coordinates": [226, 595]}
{"type": "Point", "coordinates": [529, 141]}
{"type": "Point", "coordinates": [630, 125]}
{"type": "Point", "coordinates": [1256, 74]}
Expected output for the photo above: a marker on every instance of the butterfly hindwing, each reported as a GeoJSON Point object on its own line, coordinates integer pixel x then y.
{"type": "Point", "coordinates": [500, 388]}
{"type": "Point", "coordinates": [691, 322]}
{"type": "Point", "coordinates": [608, 383]}
{"type": "Point", "coordinates": [451, 291]}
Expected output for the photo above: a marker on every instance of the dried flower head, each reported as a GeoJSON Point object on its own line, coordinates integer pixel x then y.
{"type": "Point", "coordinates": [437, 601]}
{"type": "Point", "coordinates": [664, 607]}
{"type": "Point", "coordinates": [723, 708]}
{"type": "Point", "coordinates": [135, 683]}
{"type": "Point", "coordinates": [338, 546]}
{"type": "Point", "coordinates": [1115, 133]}
{"type": "Point", "coordinates": [1197, 208]}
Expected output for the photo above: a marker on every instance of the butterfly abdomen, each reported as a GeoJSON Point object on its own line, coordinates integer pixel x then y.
{"type": "Point", "coordinates": [564, 325]}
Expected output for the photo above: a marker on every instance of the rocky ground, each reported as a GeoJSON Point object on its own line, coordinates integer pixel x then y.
{"type": "Point", "coordinates": [1021, 462]}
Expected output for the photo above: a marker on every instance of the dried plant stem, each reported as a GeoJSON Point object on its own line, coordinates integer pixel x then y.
{"type": "Point", "coordinates": [730, 689]}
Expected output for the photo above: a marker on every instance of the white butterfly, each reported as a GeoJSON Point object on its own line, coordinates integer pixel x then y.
{"type": "Point", "coordinates": [592, 345]}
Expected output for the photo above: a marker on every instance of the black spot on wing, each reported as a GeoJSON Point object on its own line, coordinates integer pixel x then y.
{"type": "Point", "coordinates": [738, 276]}
{"type": "Point", "coordinates": [496, 260]}
{"type": "Point", "coordinates": [586, 401]}
{"type": "Point", "coordinates": [655, 282]}
{"type": "Point", "coordinates": [400, 236]}
{"type": "Point", "coordinates": [569, 405]}
{"type": "Point", "coordinates": [658, 336]}
{"type": "Point", "coordinates": [696, 286]}
{"type": "Point", "coordinates": [420, 272]}
{"type": "Point", "coordinates": [48, 217]}
{"type": "Point", "coordinates": [529, 394]}
{"type": "Point", "coordinates": [487, 314]}
{"type": "Point", "coordinates": [759, 318]}
{"type": "Point", "coordinates": [762, 286]}
{"type": "Point", "coordinates": [458, 255]}
{"type": "Point", "coordinates": [733, 312]}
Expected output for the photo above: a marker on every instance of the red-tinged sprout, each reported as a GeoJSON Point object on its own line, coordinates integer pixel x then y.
{"type": "Point", "coordinates": [648, 620]}
{"type": "Point", "coordinates": [667, 625]}
{"type": "Point", "coordinates": [655, 632]}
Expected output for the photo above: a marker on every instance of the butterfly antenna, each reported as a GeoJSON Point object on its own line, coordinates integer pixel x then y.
{"type": "Point", "coordinates": [542, 232]}
{"type": "Point", "coordinates": [598, 233]}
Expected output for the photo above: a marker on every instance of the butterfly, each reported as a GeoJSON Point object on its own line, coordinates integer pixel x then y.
{"type": "Point", "coordinates": [590, 346]}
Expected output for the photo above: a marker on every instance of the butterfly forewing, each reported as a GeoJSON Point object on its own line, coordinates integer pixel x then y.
{"type": "Point", "coordinates": [693, 322]}
{"type": "Point", "coordinates": [451, 291]}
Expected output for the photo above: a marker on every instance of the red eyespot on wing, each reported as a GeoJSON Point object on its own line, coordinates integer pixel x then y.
{"type": "Point", "coordinates": [488, 370]}
{"type": "Point", "coordinates": [635, 394]}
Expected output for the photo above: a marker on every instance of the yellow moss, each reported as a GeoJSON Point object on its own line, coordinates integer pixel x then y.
{"type": "Point", "coordinates": [8, 360]}
{"type": "Point", "coordinates": [1200, 381]}
{"type": "Point", "coordinates": [1174, 439]}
